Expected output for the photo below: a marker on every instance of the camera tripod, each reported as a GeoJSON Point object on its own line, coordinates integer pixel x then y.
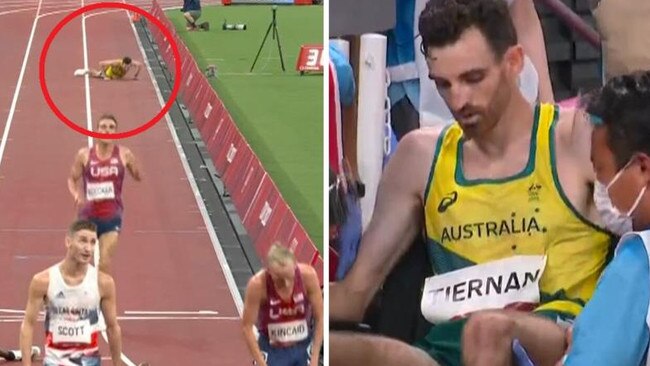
{"type": "Point", "coordinates": [275, 35]}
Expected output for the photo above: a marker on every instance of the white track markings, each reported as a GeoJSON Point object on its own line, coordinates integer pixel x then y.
{"type": "Point", "coordinates": [19, 83]}
{"type": "Point", "coordinates": [89, 125]}
{"type": "Point", "coordinates": [89, 117]}
{"type": "Point", "coordinates": [16, 315]}
{"type": "Point", "coordinates": [9, 12]}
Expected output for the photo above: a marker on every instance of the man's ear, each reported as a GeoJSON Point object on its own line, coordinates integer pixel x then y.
{"type": "Point", "coordinates": [514, 60]}
{"type": "Point", "coordinates": [644, 164]}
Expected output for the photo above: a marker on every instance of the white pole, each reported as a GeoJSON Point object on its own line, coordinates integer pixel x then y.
{"type": "Point", "coordinates": [370, 124]}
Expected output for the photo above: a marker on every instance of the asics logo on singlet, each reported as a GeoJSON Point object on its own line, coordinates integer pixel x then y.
{"type": "Point", "coordinates": [447, 201]}
{"type": "Point", "coordinates": [104, 171]}
{"type": "Point", "coordinates": [510, 226]}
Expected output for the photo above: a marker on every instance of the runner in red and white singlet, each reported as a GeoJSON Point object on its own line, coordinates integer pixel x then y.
{"type": "Point", "coordinates": [102, 169]}
{"type": "Point", "coordinates": [285, 320]}
{"type": "Point", "coordinates": [285, 300]}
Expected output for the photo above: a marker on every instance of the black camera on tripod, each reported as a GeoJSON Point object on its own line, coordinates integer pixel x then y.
{"type": "Point", "coordinates": [276, 35]}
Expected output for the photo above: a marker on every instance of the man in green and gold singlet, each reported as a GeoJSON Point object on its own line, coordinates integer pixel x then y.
{"type": "Point", "coordinates": [504, 195]}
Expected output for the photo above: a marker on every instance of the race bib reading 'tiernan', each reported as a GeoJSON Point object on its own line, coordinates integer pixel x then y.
{"type": "Point", "coordinates": [493, 285]}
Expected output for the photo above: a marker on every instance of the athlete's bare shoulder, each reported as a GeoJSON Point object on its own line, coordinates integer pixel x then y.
{"type": "Point", "coordinates": [42, 276]}
{"type": "Point", "coordinates": [256, 286]}
{"type": "Point", "coordinates": [256, 282]}
{"type": "Point", "coordinates": [125, 152]}
{"type": "Point", "coordinates": [408, 169]}
{"type": "Point", "coordinates": [573, 139]}
{"type": "Point", "coordinates": [307, 271]}
{"type": "Point", "coordinates": [83, 154]}
{"type": "Point", "coordinates": [40, 281]}
{"type": "Point", "coordinates": [84, 151]}
{"type": "Point", "coordinates": [423, 137]}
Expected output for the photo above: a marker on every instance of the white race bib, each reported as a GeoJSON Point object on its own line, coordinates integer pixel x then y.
{"type": "Point", "coordinates": [288, 332]}
{"type": "Point", "coordinates": [100, 191]}
{"type": "Point", "coordinates": [492, 285]}
{"type": "Point", "coordinates": [65, 331]}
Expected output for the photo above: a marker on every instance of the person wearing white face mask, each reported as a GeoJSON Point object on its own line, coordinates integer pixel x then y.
{"type": "Point", "coordinates": [613, 328]}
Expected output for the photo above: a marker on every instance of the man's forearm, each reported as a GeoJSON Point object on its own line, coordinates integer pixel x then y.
{"type": "Point", "coordinates": [348, 303]}
{"type": "Point", "coordinates": [318, 339]}
{"type": "Point", "coordinates": [26, 339]}
{"type": "Point", "coordinates": [72, 187]}
{"type": "Point", "coordinates": [529, 32]}
{"type": "Point", "coordinates": [115, 343]}
{"type": "Point", "coordinates": [253, 347]}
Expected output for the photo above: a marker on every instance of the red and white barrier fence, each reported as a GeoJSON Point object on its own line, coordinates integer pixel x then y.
{"type": "Point", "coordinates": [265, 215]}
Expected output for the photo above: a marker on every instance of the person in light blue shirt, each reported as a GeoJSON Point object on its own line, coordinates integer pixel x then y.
{"type": "Point", "coordinates": [344, 75]}
{"type": "Point", "coordinates": [612, 330]}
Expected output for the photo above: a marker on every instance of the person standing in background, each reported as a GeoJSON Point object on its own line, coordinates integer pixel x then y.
{"type": "Point", "coordinates": [192, 12]}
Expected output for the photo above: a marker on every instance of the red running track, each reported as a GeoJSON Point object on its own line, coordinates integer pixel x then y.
{"type": "Point", "coordinates": [167, 258]}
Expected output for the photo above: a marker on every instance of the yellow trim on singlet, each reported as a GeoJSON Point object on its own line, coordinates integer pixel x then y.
{"type": "Point", "coordinates": [474, 221]}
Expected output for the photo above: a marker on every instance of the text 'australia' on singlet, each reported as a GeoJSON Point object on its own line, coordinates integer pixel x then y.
{"type": "Point", "coordinates": [285, 322]}
{"type": "Point", "coordinates": [71, 319]}
{"type": "Point", "coordinates": [103, 185]}
{"type": "Point", "coordinates": [515, 242]}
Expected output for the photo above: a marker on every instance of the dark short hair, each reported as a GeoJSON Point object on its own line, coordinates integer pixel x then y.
{"type": "Point", "coordinates": [443, 22]}
{"type": "Point", "coordinates": [126, 60]}
{"type": "Point", "coordinates": [81, 225]}
{"type": "Point", "coordinates": [623, 106]}
{"type": "Point", "coordinates": [107, 116]}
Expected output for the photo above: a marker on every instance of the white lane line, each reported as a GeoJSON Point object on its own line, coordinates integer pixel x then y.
{"type": "Point", "coordinates": [21, 76]}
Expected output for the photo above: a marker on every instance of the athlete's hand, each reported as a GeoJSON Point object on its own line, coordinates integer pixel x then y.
{"type": "Point", "coordinates": [313, 356]}
{"type": "Point", "coordinates": [78, 200]}
{"type": "Point", "coordinates": [569, 341]}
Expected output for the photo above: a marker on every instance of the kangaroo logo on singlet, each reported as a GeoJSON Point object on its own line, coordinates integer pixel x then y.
{"type": "Point", "coordinates": [533, 192]}
{"type": "Point", "coordinates": [104, 171]}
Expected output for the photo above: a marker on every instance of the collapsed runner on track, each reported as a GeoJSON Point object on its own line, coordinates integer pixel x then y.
{"type": "Point", "coordinates": [102, 169]}
{"type": "Point", "coordinates": [112, 69]}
